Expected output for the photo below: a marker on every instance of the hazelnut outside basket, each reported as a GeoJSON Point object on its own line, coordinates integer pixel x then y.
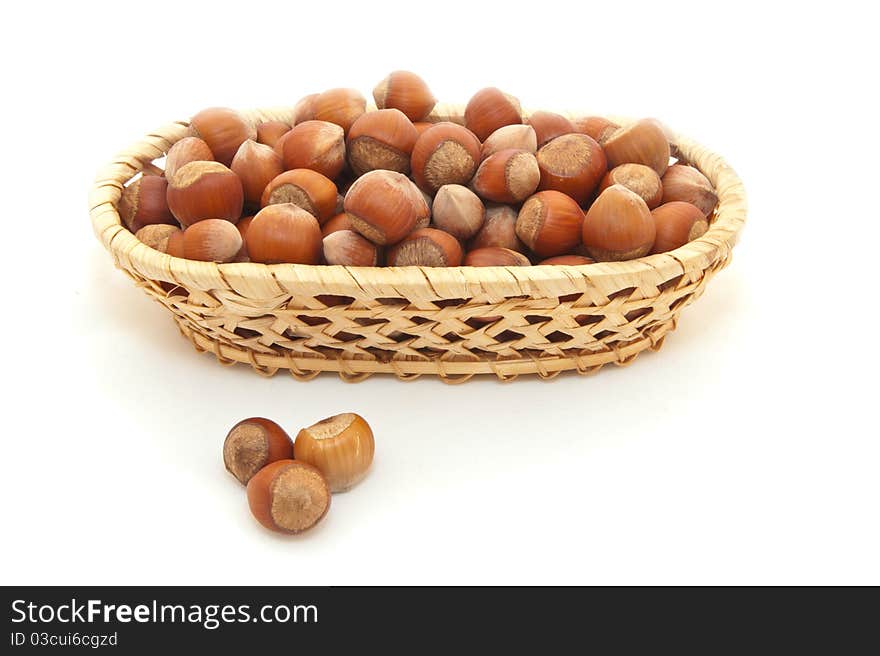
{"type": "Point", "coordinates": [411, 321]}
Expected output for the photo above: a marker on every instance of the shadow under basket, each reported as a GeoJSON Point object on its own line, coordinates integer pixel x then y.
{"type": "Point", "coordinates": [410, 321]}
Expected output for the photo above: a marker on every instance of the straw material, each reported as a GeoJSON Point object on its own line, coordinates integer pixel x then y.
{"type": "Point", "coordinates": [411, 321]}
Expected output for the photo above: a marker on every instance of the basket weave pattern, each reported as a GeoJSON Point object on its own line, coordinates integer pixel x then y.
{"type": "Point", "coordinates": [410, 321]}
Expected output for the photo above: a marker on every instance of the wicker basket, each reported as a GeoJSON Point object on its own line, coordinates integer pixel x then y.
{"type": "Point", "coordinates": [411, 321]}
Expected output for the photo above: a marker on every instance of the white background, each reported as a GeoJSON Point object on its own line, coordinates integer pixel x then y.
{"type": "Point", "coordinates": [745, 451]}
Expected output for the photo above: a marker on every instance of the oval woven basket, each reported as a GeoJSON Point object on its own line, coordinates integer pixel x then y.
{"type": "Point", "coordinates": [411, 321]}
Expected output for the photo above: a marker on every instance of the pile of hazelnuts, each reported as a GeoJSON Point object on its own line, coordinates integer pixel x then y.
{"type": "Point", "coordinates": [345, 186]}
{"type": "Point", "coordinates": [289, 482]}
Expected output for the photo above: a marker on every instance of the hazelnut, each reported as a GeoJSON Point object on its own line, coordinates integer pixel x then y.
{"type": "Point", "coordinates": [188, 149]}
{"type": "Point", "coordinates": [315, 145]}
{"type": "Point", "coordinates": [407, 92]}
{"type": "Point", "coordinates": [568, 260]}
{"type": "Point", "coordinates": [508, 176]}
{"type": "Point", "coordinates": [638, 178]}
{"type": "Point", "coordinates": [348, 248]}
{"type": "Point", "coordinates": [421, 126]}
{"type": "Point", "coordinates": [224, 130]}
{"type": "Point", "coordinates": [685, 183]}
{"type": "Point", "coordinates": [458, 211]}
{"type": "Point", "coordinates": [494, 256]}
{"type": "Point", "coordinates": [618, 226]}
{"type": "Point", "coordinates": [499, 229]}
{"type": "Point", "coordinates": [174, 245]}
{"type": "Point", "coordinates": [381, 140]}
{"type": "Point", "coordinates": [676, 224]}
{"type": "Point", "coordinates": [643, 142]}
{"type": "Point", "coordinates": [256, 165]}
{"type": "Point", "coordinates": [445, 153]}
{"type": "Point", "coordinates": [573, 164]}
{"type": "Point", "coordinates": [490, 109]}
{"type": "Point", "coordinates": [284, 233]}
{"type": "Point", "coordinates": [384, 206]}
{"type": "Point", "coordinates": [335, 223]}
{"type": "Point", "coordinates": [340, 447]}
{"type": "Point", "coordinates": [304, 109]}
{"type": "Point", "coordinates": [548, 126]}
{"type": "Point", "coordinates": [308, 189]}
{"type": "Point", "coordinates": [426, 247]}
{"type": "Point", "coordinates": [144, 202]}
{"type": "Point", "coordinates": [205, 190]}
{"type": "Point", "coordinates": [550, 223]}
{"type": "Point", "coordinates": [340, 106]}
{"type": "Point", "coordinates": [252, 444]}
{"type": "Point", "coordinates": [243, 224]}
{"type": "Point", "coordinates": [211, 240]}
{"type": "Point", "coordinates": [597, 127]}
{"type": "Point", "coordinates": [279, 144]}
{"type": "Point", "coordinates": [520, 137]}
{"type": "Point", "coordinates": [426, 220]}
{"type": "Point", "coordinates": [269, 132]}
{"type": "Point", "coordinates": [288, 496]}
{"type": "Point", "coordinates": [156, 235]}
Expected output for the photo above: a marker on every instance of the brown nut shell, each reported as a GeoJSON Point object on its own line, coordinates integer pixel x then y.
{"type": "Point", "coordinates": [348, 248]}
{"type": "Point", "coordinates": [252, 444]}
{"type": "Point", "coordinates": [508, 176]}
{"type": "Point", "coordinates": [243, 224]}
{"type": "Point", "coordinates": [490, 109]}
{"type": "Point", "coordinates": [174, 245]}
{"type": "Point", "coordinates": [548, 126]}
{"type": "Point", "coordinates": [212, 240]}
{"type": "Point", "coordinates": [499, 229]}
{"type": "Point", "coordinates": [338, 222]}
{"type": "Point", "coordinates": [269, 132]}
{"type": "Point", "coordinates": [340, 106]}
{"type": "Point", "coordinates": [188, 149]}
{"type": "Point", "coordinates": [550, 223]}
{"type": "Point", "coordinates": [618, 226]}
{"type": "Point", "coordinates": [224, 130]}
{"type": "Point", "coordinates": [494, 256]}
{"type": "Point", "coordinates": [458, 211]}
{"type": "Point", "coordinates": [687, 184]}
{"type": "Point", "coordinates": [383, 139]}
{"type": "Point", "coordinates": [568, 260]}
{"type": "Point", "coordinates": [676, 224]}
{"type": "Point", "coordinates": [638, 178]}
{"type": "Point", "coordinates": [315, 145]}
{"type": "Point", "coordinates": [520, 137]}
{"type": "Point", "coordinates": [205, 190]}
{"type": "Point", "coordinates": [407, 92]}
{"type": "Point", "coordinates": [384, 206]}
{"type": "Point", "coordinates": [284, 233]}
{"type": "Point", "coordinates": [308, 189]}
{"type": "Point", "coordinates": [156, 236]}
{"type": "Point", "coordinates": [445, 153]}
{"type": "Point", "coordinates": [256, 165]}
{"type": "Point", "coordinates": [144, 202]}
{"type": "Point", "coordinates": [597, 127]}
{"type": "Point", "coordinates": [421, 126]}
{"type": "Point", "coordinates": [572, 164]}
{"type": "Point", "coordinates": [426, 247]}
{"type": "Point", "coordinates": [643, 142]}
{"type": "Point", "coordinates": [304, 109]}
{"type": "Point", "coordinates": [340, 447]}
{"type": "Point", "coordinates": [288, 496]}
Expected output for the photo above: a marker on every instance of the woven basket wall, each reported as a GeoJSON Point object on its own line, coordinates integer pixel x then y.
{"type": "Point", "coordinates": [411, 321]}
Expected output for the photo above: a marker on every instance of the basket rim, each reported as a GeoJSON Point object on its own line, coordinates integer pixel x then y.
{"type": "Point", "coordinates": [131, 253]}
